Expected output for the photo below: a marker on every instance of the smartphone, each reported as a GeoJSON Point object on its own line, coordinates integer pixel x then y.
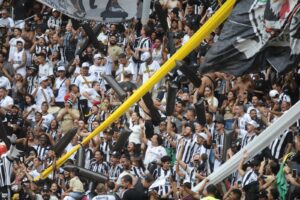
{"type": "Point", "coordinates": [294, 173]}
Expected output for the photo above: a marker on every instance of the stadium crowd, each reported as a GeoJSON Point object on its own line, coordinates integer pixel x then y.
{"type": "Point", "coordinates": [48, 86]}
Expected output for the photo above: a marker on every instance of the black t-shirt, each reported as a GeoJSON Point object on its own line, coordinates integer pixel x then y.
{"type": "Point", "coordinates": [132, 194]}
{"type": "Point", "coordinates": [139, 187]}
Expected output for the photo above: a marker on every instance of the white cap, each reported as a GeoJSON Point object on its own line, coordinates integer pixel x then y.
{"type": "Point", "coordinates": [85, 64]}
{"type": "Point", "coordinates": [61, 68]}
{"type": "Point", "coordinates": [98, 55]}
{"type": "Point", "coordinates": [43, 78]}
{"type": "Point", "coordinates": [273, 93]}
{"type": "Point", "coordinates": [253, 123]}
{"type": "Point", "coordinates": [145, 56]}
{"type": "Point", "coordinates": [203, 135]}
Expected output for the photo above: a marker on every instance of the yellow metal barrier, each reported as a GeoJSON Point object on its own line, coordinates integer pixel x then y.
{"type": "Point", "coordinates": [219, 17]}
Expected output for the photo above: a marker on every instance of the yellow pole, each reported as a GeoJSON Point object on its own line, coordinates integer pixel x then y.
{"type": "Point", "coordinates": [218, 18]}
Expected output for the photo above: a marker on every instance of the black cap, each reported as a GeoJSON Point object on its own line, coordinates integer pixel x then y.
{"type": "Point", "coordinates": [220, 119]}
{"type": "Point", "coordinates": [116, 154]}
{"type": "Point", "coordinates": [15, 106]}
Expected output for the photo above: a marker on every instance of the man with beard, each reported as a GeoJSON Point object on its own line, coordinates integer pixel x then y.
{"type": "Point", "coordinates": [130, 193]}
{"type": "Point", "coordinates": [114, 51]}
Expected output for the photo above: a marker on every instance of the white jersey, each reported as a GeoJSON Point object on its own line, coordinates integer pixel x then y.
{"type": "Point", "coordinates": [6, 101]}
{"type": "Point", "coordinates": [129, 68]}
{"type": "Point", "coordinates": [47, 120]}
{"type": "Point", "coordinates": [135, 134]}
{"type": "Point", "coordinates": [148, 70]}
{"type": "Point", "coordinates": [60, 85]}
{"type": "Point", "coordinates": [98, 71]}
{"type": "Point", "coordinates": [85, 82]}
{"type": "Point", "coordinates": [40, 97]}
{"type": "Point", "coordinates": [45, 70]}
{"type": "Point", "coordinates": [5, 83]}
{"type": "Point", "coordinates": [13, 46]}
{"type": "Point", "coordinates": [153, 153]}
{"type": "Point", "coordinates": [93, 93]}
{"type": "Point", "coordinates": [17, 60]}
{"type": "Point", "coordinates": [157, 55]}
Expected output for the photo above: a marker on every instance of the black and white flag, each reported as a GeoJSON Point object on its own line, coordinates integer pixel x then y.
{"type": "Point", "coordinates": [259, 33]}
{"type": "Point", "coordinates": [98, 10]}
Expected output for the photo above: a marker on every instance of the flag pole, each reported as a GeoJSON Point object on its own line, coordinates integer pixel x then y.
{"type": "Point", "coordinates": [219, 17]}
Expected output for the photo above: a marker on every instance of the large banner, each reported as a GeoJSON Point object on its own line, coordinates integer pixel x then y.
{"type": "Point", "coordinates": [259, 33]}
{"type": "Point", "coordinates": [98, 10]}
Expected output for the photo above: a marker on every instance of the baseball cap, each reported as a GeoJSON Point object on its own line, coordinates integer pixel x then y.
{"type": "Point", "coordinates": [203, 135]}
{"type": "Point", "coordinates": [15, 106]}
{"type": "Point", "coordinates": [61, 68]}
{"type": "Point", "coordinates": [253, 123]}
{"type": "Point", "coordinates": [273, 93]}
{"type": "Point", "coordinates": [98, 55]}
{"type": "Point", "coordinates": [43, 78]}
{"type": "Point", "coordinates": [85, 64]}
{"type": "Point", "coordinates": [116, 154]}
{"type": "Point", "coordinates": [220, 119]}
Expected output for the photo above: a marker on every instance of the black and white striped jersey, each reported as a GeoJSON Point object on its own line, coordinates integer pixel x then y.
{"type": "Point", "coordinates": [104, 147]}
{"type": "Point", "coordinates": [5, 171]}
{"type": "Point", "coordinates": [41, 151]}
{"type": "Point", "coordinates": [189, 145]}
{"type": "Point", "coordinates": [279, 145]}
{"type": "Point", "coordinates": [114, 172]}
{"type": "Point", "coordinates": [247, 139]}
{"type": "Point", "coordinates": [138, 171]}
{"type": "Point", "coordinates": [249, 177]}
{"type": "Point", "coordinates": [102, 168]}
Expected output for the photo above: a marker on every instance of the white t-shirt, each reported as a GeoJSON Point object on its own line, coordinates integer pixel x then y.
{"type": "Point", "coordinates": [148, 70]}
{"type": "Point", "coordinates": [31, 115]}
{"type": "Point", "coordinates": [242, 122]}
{"type": "Point", "coordinates": [60, 85]}
{"type": "Point", "coordinates": [17, 60]}
{"type": "Point", "coordinates": [153, 153]}
{"type": "Point", "coordinates": [45, 70]}
{"type": "Point", "coordinates": [97, 71]}
{"type": "Point", "coordinates": [13, 46]}
{"type": "Point", "coordinates": [68, 148]}
{"type": "Point", "coordinates": [39, 99]}
{"type": "Point", "coordinates": [135, 134]}
{"type": "Point", "coordinates": [6, 101]}
{"type": "Point", "coordinates": [94, 95]}
{"type": "Point", "coordinates": [130, 68]}
{"type": "Point", "coordinates": [47, 119]}
{"type": "Point", "coordinates": [85, 84]}
{"type": "Point", "coordinates": [5, 83]}
{"type": "Point", "coordinates": [103, 38]}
